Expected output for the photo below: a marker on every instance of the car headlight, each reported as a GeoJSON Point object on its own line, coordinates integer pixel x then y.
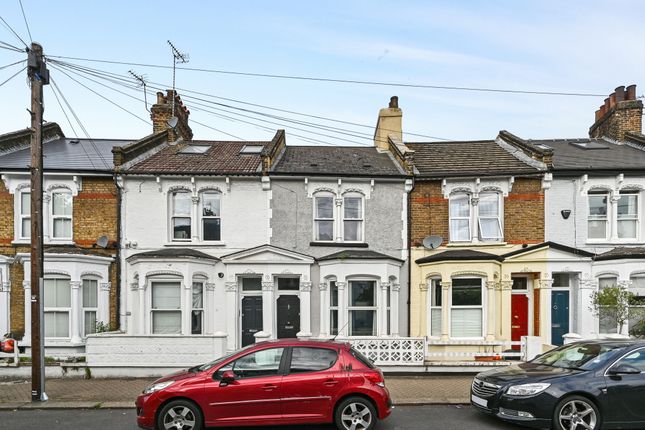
{"type": "Point", "coordinates": [527, 389]}
{"type": "Point", "coordinates": [157, 387]}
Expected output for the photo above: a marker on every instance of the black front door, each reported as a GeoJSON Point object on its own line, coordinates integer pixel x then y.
{"type": "Point", "coordinates": [288, 316]}
{"type": "Point", "coordinates": [251, 318]}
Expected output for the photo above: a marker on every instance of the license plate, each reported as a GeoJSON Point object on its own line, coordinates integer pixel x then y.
{"type": "Point", "coordinates": [479, 401]}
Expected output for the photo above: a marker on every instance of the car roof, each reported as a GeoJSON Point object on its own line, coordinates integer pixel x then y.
{"type": "Point", "coordinates": [614, 342]}
{"type": "Point", "coordinates": [303, 342]}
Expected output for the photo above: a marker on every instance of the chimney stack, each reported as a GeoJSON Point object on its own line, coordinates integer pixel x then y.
{"type": "Point", "coordinates": [389, 124]}
{"type": "Point", "coordinates": [162, 113]}
{"type": "Point", "coordinates": [621, 113]}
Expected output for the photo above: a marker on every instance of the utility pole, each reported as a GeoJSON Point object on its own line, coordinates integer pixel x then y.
{"type": "Point", "coordinates": [38, 76]}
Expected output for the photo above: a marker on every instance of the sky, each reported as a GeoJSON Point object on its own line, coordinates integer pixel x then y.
{"type": "Point", "coordinates": [585, 46]}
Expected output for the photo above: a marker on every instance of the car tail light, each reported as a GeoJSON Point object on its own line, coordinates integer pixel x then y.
{"type": "Point", "coordinates": [375, 378]}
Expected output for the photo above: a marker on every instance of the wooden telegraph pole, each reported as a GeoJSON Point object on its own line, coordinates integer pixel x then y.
{"type": "Point", "coordinates": [38, 76]}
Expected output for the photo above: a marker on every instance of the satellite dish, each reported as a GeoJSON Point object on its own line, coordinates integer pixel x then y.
{"type": "Point", "coordinates": [102, 241]}
{"type": "Point", "coordinates": [432, 242]}
{"type": "Point", "coordinates": [172, 122]}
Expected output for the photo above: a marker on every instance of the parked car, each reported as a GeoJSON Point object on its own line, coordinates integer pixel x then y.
{"type": "Point", "coordinates": [271, 383]}
{"type": "Point", "coordinates": [583, 385]}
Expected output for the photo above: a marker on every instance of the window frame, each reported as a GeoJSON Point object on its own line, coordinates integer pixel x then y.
{"type": "Point", "coordinates": [451, 217]}
{"type": "Point", "coordinates": [498, 218]}
{"type": "Point", "coordinates": [289, 360]}
{"type": "Point", "coordinates": [154, 310]}
{"type": "Point", "coordinates": [203, 217]}
{"type": "Point", "coordinates": [317, 219]}
{"type": "Point", "coordinates": [360, 220]}
{"type": "Point", "coordinates": [193, 309]}
{"type": "Point", "coordinates": [174, 215]}
{"type": "Point", "coordinates": [606, 218]}
{"type": "Point", "coordinates": [333, 309]}
{"type": "Point", "coordinates": [230, 365]}
{"type": "Point", "coordinates": [435, 296]}
{"type": "Point", "coordinates": [374, 308]}
{"type": "Point", "coordinates": [634, 218]}
{"type": "Point", "coordinates": [59, 309]}
{"type": "Point", "coordinates": [54, 217]}
{"type": "Point", "coordinates": [600, 323]}
{"type": "Point", "coordinates": [481, 307]}
{"type": "Point", "coordinates": [85, 310]}
{"type": "Point", "coordinates": [22, 216]}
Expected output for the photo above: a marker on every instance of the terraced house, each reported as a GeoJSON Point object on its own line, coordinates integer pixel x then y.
{"type": "Point", "coordinates": [80, 226]}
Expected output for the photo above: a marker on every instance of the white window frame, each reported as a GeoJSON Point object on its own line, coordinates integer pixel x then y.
{"type": "Point", "coordinates": [153, 310]}
{"type": "Point", "coordinates": [85, 310]}
{"type": "Point", "coordinates": [22, 216]}
{"type": "Point", "coordinates": [360, 219]}
{"type": "Point", "coordinates": [54, 217]}
{"type": "Point", "coordinates": [482, 307]}
{"type": "Point", "coordinates": [57, 309]}
{"type": "Point", "coordinates": [434, 285]}
{"type": "Point", "coordinates": [317, 219]}
{"type": "Point", "coordinates": [615, 283]}
{"type": "Point", "coordinates": [374, 308]}
{"type": "Point", "coordinates": [202, 284]}
{"type": "Point", "coordinates": [174, 215]}
{"type": "Point", "coordinates": [635, 218]}
{"type": "Point", "coordinates": [456, 218]}
{"type": "Point", "coordinates": [607, 218]}
{"type": "Point", "coordinates": [203, 217]}
{"type": "Point", "coordinates": [499, 218]}
{"type": "Point", "coordinates": [632, 278]}
{"type": "Point", "coordinates": [333, 308]}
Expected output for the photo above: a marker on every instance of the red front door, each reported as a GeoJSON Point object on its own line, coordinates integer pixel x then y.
{"type": "Point", "coordinates": [519, 318]}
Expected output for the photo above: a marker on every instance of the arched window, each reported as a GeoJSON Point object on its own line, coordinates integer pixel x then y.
{"type": "Point", "coordinates": [90, 305]}
{"type": "Point", "coordinates": [460, 216]}
{"type": "Point", "coordinates": [211, 216]}
{"type": "Point", "coordinates": [62, 214]}
{"type": "Point", "coordinates": [180, 222]}
{"type": "Point", "coordinates": [324, 217]}
{"type": "Point", "coordinates": [353, 218]}
{"type": "Point", "coordinates": [58, 305]}
{"type": "Point", "coordinates": [24, 203]}
{"type": "Point", "coordinates": [489, 222]}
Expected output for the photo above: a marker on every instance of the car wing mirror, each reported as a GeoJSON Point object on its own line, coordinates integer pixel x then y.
{"type": "Point", "coordinates": [624, 369]}
{"type": "Point", "coordinates": [228, 377]}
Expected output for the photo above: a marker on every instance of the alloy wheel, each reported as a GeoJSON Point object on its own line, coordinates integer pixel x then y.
{"type": "Point", "coordinates": [577, 414]}
{"type": "Point", "coordinates": [356, 416]}
{"type": "Point", "coordinates": [179, 418]}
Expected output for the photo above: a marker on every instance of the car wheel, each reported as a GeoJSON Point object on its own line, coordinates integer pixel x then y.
{"type": "Point", "coordinates": [180, 415]}
{"type": "Point", "coordinates": [576, 413]}
{"type": "Point", "coordinates": [355, 413]}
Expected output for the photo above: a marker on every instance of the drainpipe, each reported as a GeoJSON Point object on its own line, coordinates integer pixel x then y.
{"type": "Point", "coordinates": [409, 245]}
{"type": "Point", "coordinates": [118, 252]}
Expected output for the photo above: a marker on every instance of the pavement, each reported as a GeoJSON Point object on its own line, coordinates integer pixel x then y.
{"type": "Point", "coordinates": [121, 393]}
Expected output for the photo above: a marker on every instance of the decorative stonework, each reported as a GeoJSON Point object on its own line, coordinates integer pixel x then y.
{"type": "Point", "coordinates": [424, 286]}
{"type": "Point", "coordinates": [230, 286]}
{"type": "Point", "coordinates": [26, 285]}
{"type": "Point", "coordinates": [106, 286]}
{"type": "Point", "coordinates": [545, 284]}
{"type": "Point", "coordinates": [75, 284]}
{"type": "Point", "coordinates": [340, 285]}
{"type": "Point", "coordinates": [588, 284]}
{"type": "Point", "coordinates": [91, 273]}
{"type": "Point", "coordinates": [5, 287]}
{"type": "Point", "coordinates": [492, 285]}
{"type": "Point", "coordinates": [305, 287]}
{"type": "Point", "coordinates": [267, 286]}
{"type": "Point", "coordinates": [506, 285]}
{"type": "Point", "coordinates": [164, 272]}
{"type": "Point", "coordinates": [134, 286]}
{"type": "Point", "coordinates": [385, 285]}
{"type": "Point", "coordinates": [322, 286]}
{"type": "Point", "coordinates": [395, 286]}
{"type": "Point", "coordinates": [446, 285]}
{"type": "Point", "coordinates": [56, 272]}
{"type": "Point", "coordinates": [210, 286]}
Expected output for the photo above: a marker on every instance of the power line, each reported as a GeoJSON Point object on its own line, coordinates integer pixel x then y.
{"type": "Point", "coordinates": [26, 23]}
{"type": "Point", "coordinates": [10, 47]}
{"type": "Point", "coordinates": [12, 64]}
{"type": "Point", "coordinates": [344, 81]}
{"type": "Point", "coordinates": [54, 87]}
{"type": "Point", "coordinates": [6, 24]}
{"type": "Point", "coordinates": [14, 75]}
{"type": "Point", "coordinates": [218, 130]}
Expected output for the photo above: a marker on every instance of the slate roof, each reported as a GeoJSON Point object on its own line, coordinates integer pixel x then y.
{"type": "Point", "coordinates": [336, 161]}
{"type": "Point", "coordinates": [467, 158]}
{"type": "Point", "coordinates": [67, 154]}
{"type": "Point", "coordinates": [622, 252]}
{"type": "Point", "coordinates": [459, 254]}
{"type": "Point", "coordinates": [173, 253]}
{"type": "Point", "coordinates": [222, 157]}
{"type": "Point", "coordinates": [553, 245]}
{"type": "Point", "coordinates": [355, 254]}
{"type": "Point", "coordinates": [569, 156]}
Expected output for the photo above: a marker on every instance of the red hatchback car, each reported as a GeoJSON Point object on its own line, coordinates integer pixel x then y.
{"type": "Point", "coordinates": [271, 383]}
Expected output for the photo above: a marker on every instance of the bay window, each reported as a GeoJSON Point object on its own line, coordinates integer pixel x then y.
{"type": "Point", "coordinates": [181, 204]}
{"type": "Point", "coordinates": [466, 312]}
{"type": "Point", "coordinates": [62, 214]}
{"type": "Point", "coordinates": [58, 304]}
{"type": "Point", "coordinates": [460, 218]}
{"type": "Point", "coordinates": [352, 219]}
{"type": "Point", "coordinates": [166, 307]}
{"type": "Point", "coordinates": [333, 308]}
{"type": "Point", "coordinates": [324, 218]}
{"type": "Point", "coordinates": [211, 217]}
{"type": "Point", "coordinates": [490, 226]}
{"type": "Point", "coordinates": [90, 305]}
{"type": "Point", "coordinates": [435, 308]}
{"type": "Point", "coordinates": [197, 311]}
{"type": "Point", "coordinates": [638, 305]}
{"type": "Point", "coordinates": [362, 308]}
{"type": "Point", "coordinates": [606, 322]}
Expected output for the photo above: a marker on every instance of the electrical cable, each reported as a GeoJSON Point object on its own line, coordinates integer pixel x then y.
{"type": "Point", "coordinates": [14, 75]}
{"type": "Point", "coordinates": [26, 23]}
{"type": "Point", "coordinates": [6, 24]}
{"type": "Point", "coordinates": [10, 46]}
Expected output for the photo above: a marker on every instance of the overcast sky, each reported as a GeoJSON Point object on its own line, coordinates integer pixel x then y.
{"type": "Point", "coordinates": [585, 46]}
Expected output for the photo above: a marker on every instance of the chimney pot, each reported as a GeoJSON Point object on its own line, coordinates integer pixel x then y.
{"type": "Point", "coordinates": [607, 103]}
{"type": "Point", "coordinates": [620, 93]}
{"type": "Point", "coordinates": [612, 100]}
{"type": "Point", "coordinates": [394, 102]}
{"type": "Point", "coordinates": [160, 98]}
{"type": "Point", "coordinates": [631, 92]}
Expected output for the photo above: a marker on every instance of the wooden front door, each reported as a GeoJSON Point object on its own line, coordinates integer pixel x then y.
{"type": "Point", "coordinates": [288, 316]}
{"type": "Point", "coordinates": [559, 316]}
{"type": "Point", "coordinates": [519, 318]}
{"type": "Point", "coordinates": [251, 318]}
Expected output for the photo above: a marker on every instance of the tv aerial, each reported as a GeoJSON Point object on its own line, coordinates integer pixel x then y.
{"type": "Point", "coordinates": [181, 58]}
{"type": "Point", "coordinates": [432, 242]}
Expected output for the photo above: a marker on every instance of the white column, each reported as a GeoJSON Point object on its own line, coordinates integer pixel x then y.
{"type": "Point", "coordinates": [613, 216]}
{"type": "Point", "coordinates": [474, 220]}
{"type": "Point", "coordinates": [267, 309]}
{"type": "Point", "coordinates": [26, 285]}
{"type": "Point", "coordinates": [209, 305]}
{"type": "Point", "coordinates": [75, 316]}
{"type": "Point", "coordinates": [46, 218]}
{"type": "Point", "coordinates": [305, 310]}
{"type": "Point", "coordinates": [338, 224]}
{"type": "Point", "coordinates": [343, 327]}
{"type": "Point", "coordinates": [324, 309]}
{"type": "Point", "coordinates": [381, 309]}
{"type": "Point", "coordinates": [445, 310]}
{"type": "Point", "coordinates": [232, 312]}
{"type": "Point", "coordinates": [394, 308]}
{"type": "Point", "coordinates": [195, 227]}
{"type": "Point", "coordinates": [186, 322]}
{"type": "Point", "coordinates": [103, 314]}
{"type": "Point", "coordinates": [5, 299]}
{"type": "Point", "coordinates": [143, 316]}
{"type": "Point", "coordinates": [489, 310]}
{"type": "Point", "coordinates": [132, 326]}
{"type": "Point", "coordinates": [545, 309]}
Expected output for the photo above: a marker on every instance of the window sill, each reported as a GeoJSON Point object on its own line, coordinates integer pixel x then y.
{"type": "Point", "coordinates": [471, 244]}
{"type": "Point", "coordinates": [615, 242]}
{"type": "Point", "coordinates": [194, 244]}
{"type": "Point", "coordinates": [60, 242]}
{"type": "Point", "coordinates": [340, 244]}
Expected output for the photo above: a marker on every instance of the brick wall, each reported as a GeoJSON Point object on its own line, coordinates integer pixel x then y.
{"type": "Point", "coordinates": [625, 116]}
{"type": "Point", "coordinates": [523, 212]}
{"type": "Point", "coordinates": [95, 211]}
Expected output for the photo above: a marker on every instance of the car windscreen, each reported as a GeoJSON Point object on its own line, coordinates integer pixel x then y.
{"type": "Point", "coordinates": [217, 361]}
{"type": "Point", "coordinates": [583, 356]}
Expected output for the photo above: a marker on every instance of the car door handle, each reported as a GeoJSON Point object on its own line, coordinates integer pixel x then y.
{"type": "Point", "coordinates": [330, 383]}
{"type": "Point", "coordinates": [269, 387]}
